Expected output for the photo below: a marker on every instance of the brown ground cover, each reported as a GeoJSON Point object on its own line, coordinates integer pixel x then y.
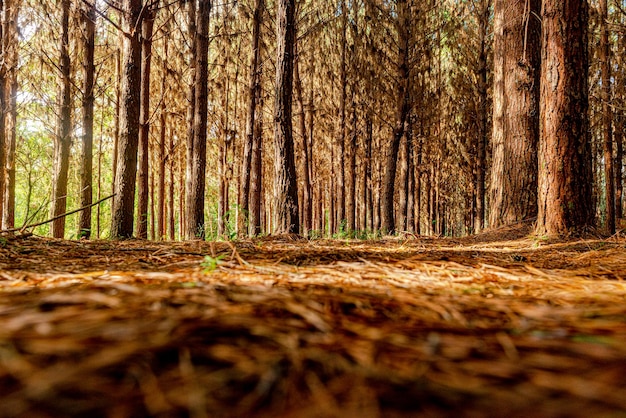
{"type": "Point", "coordinates": [500, 324]}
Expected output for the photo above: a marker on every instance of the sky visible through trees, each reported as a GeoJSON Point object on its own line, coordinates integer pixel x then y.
{"type": "Point", "coordinates": [198, 119]}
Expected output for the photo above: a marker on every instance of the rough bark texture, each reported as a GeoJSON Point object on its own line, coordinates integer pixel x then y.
{"type": "Point", "coordinates": [564, 148]}
{"type": "Point", "coordinates": [517, 41]}
{"type": "Point", "coordinates": [607, 119]}
{"type": "Point", "coordinates": [63, 140]}
{"type": "Point", "coordinates": [3, 78]}
{"type": "Point", "coordinates": [162, 157]}
{"type": "Point", "coordinates": [285, 219]}
{"type": "Point", "coordinates": [10, 45]}
{"type": "Point", "coordinates": [306, 203]}
{"type": "Point", "coordinates": [482, 131]}
{"type": "Point", "coordinates": [254, 88]}
{"type": "Point", "coordinates": [402, 106]}
{"type": "Point", "coordinates": [147, 25]}
{"type": "Point", "coordinates": [86, 196]}
{"type": "Point", "coordinates": [126, 168]}
{"type": "Point", "coordinates": [194, 217]}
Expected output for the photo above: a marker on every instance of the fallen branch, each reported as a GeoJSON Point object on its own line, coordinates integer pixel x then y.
{"type": "Point", "coordinates": [23, 228]}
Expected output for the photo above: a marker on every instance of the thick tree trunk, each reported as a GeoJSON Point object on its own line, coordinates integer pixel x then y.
{"type": "Point", "coordinates": [143, 160]}
{"type": "Point", "coordinates": [196, 165]}
{"type": "Point", "coordinates": [515, 115]}
{"type": "Point", "coordinates": [86, 197]}
{"type": "Point", "coordinates": [64, 130]}
{"type": "Point", "coordinates": [564, 148]}
{"type": "Point", "coordinates": [607, 119]}
{"type": "Point", "coordinates": [126, 171]}
{"type": "Point", "coordinates": [402, 107]}
{"type": "Point", "coordinates": [285, 219]}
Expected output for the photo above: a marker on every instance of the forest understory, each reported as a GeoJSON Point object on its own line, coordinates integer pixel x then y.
{"type": "Point", "coordinates": [498, 324]}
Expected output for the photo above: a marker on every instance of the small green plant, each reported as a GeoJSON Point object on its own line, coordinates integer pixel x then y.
{"type": "Point", "coordinates": [209, 263]}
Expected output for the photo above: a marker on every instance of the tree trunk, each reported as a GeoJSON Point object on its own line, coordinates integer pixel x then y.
{"type": "Point", "coordinates": [89, 21]}
{"type": "Point", "coordinates": [254, 88]}
{"type": "Point", "coordinates": [285, 219]}
{"type": "Point", "coordinates": [481, 159]}
{"type": "Point", "coordinates": [10, 48]}
{"type": "Point", "coordinates": [351, 177]}
{"type": "Point", "coordinates": [340, 205]}
{"type": "Point", "coordinates": [162, 157]}
{"type": "Point", "coordinates": [196, 165]}
{"type": "Point", "coordinates": [3, 106]}
{"type": "Point", "coordinates": [564, 147]}
{"type": "Point", "coordinates": [126, 171]}
{"type": "Point", "coordinates": [515, 115]}
{"type": "Point", "coordinates": [402, 107]}
{"type": "Point", "coordinates": [143, 165]}
{"type": "Point", "coordinates": [306, 202]}
{"type": "Point", "coordinates": [64, 130]}
{"type": "Point", "coordinates": [607, 119]}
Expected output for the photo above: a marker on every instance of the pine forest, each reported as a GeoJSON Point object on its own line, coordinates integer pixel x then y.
{"type": "Point", "coordinates": [312, 208]}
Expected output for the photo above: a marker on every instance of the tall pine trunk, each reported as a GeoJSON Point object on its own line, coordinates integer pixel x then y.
{"type": "Point", "coordinates": [143, 165]}
{"type": "Point", "coordinates": [388, 225]}
{"type": "Point", "coordinates": [564, 147]}
{"type": "Point", "coordinates": [285, 202]}
{"type": "Point", "coordinates": [196, 165]}
{"type": "Point", "coordinates": [63, 140]}
{"type": "Point", "coordinates": [126, 168]}
{"type": "Point", "coordinates": [515, 115]}
{"type": "Point", "coordinates": [86, 197]}
{"type": "Point", "coordinates": [607, 119]}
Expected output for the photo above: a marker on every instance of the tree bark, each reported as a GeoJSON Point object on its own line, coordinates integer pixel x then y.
{"type": "Point", "coordinates": [126, 170]}
{"type": "Point", "coordinates": [3, 106]}
{"type": "Point", "coordinates": [143, 160]}
{"type": "Point", "coordinates": [196, 166]}
{"type": "Point", "coordinates": [162, 157]}
{"type": "Point", "coordinates": [402, 107]}
{"type": "Point", "coordinates": [607, 119]}
{"type": "Point", "coordinates": [564, 147]}
{"type": "Point", "coordinates": [254, 87]}
{"type": "Point", "coordinates": [306, 202]}
{"type": "Point", "coordinates": [89, 22]}
{"type": "Point", "coordinates": [515, 115]}
{"type": "Point", "coordinates": [285, 219]}
{"type": "Point", "coordinates": [64, 130]}
{"type": "Point", "coordinates": [10, 51]}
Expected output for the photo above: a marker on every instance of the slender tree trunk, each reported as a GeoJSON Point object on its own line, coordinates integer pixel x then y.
{"type": "Point", "coordinates": [481, 158]}
{"type": "Point", "coordinates": [64, 130]}
{"type": "Point", "coordinates": [285, 219]}
{"type": "Point", "coordinates": [402, 107]}
{"type": "Point", "coordinates": [607, 118]}
{"type": "Point", "coordinates": [162, 157]}
{"type": "Point", "coordinates": [564, 146]}
{"type": "Point", "coordinates": [116, 119]}
{"type": "Point", "coordinates": [143, 160]}
{"type": "Point", "coordinates": [3, 105]}
{"type": "Point", "coordinates": [10, 48]}
{"type": "Point", "coordinates": [126, 172]}
{"type": "Point", "coordinates": [351, 177]}
{"type": "Point", "coordinates": [515, 116]}
{"type": "Point", "coordinates": [194, 217]}
{"type": "Point", "coordinates": [253, 97]}
{"type": "Point", "coordinates": [341, 139]}
{"type": "Point", "coordinates": [306, 202]}
{"type": "Point", "coordinates": [89, 21]}
{"type": "Point", "coordinates": [256, 173]}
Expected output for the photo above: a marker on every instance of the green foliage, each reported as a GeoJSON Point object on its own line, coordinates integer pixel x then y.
{"type": "Point", "coordinates": [209, 263]}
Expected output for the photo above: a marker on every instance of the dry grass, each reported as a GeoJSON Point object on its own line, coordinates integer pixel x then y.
{"type": "Point", "coordinates": [495, 325]}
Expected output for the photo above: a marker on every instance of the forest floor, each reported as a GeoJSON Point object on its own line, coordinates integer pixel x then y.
{"type": "Point", "coordinates": [501, 324]}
